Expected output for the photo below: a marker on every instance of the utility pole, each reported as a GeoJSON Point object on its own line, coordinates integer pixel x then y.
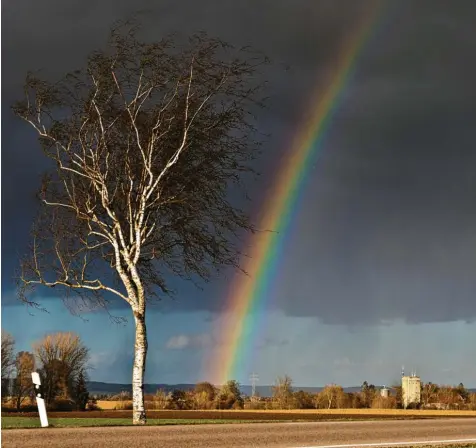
{"type": "Point", "coordinates": [254, 379]}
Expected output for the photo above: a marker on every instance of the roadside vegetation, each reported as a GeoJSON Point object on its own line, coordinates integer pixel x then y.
{"type": "Point", "coordinates": [62, 361]}
{"type": "Point", "coordinates": [285, 397]}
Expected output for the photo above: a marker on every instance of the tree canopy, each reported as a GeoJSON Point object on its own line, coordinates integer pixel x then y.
{"type": "Point", "coordinates": [145, 144]}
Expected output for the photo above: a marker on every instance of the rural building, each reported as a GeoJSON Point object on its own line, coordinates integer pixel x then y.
{"type": "Point", "coordinates": [385, 392]}
{"type": "Point", "coordinates": [410, 390]}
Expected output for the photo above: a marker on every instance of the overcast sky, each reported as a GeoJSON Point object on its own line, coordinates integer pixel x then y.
{"type": "Point", "coordinates": [379, 268]}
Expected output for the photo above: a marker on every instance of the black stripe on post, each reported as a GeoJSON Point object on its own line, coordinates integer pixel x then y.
{"type": "Point", "coordinates": [39, 391]}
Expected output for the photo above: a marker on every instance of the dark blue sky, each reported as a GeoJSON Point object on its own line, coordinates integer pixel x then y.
{"type": "Point", "coordinates": [379, 268]}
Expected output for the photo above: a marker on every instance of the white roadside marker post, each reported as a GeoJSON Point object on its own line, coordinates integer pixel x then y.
{"type": "Point", "coordinates": [40, 401]}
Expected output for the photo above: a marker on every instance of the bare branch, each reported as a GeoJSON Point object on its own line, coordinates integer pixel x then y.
{"type": "Point", "coordinates": [73, 285]}
{"type": "Point", "coordinates": [150, 147]}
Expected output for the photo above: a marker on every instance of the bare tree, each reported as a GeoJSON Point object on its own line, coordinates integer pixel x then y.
{"type": "Point", "coordinates": [53, 374]}
{"type": "Point", "coordinates": [22, 384]}
{"type": "Point", "coordinates": [331, 397]}
{"type": "Point", "coordinates": [283, 396]}
{"type": "Point", "coordinates": [146, 145]}
{"type": "Point", "coordinates": [63, 357]}
{"type": "Point", "coordinates": [8, 359]}
{"type": "Point", "coordinates": [429, 392]}
{"type": "Point", "coordinates": [161, 399]}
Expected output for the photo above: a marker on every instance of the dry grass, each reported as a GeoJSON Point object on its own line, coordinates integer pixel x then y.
{"type": "Point", "coordinates": [120, 405]}
{"type": "Point", "coordinates": [112, 405]}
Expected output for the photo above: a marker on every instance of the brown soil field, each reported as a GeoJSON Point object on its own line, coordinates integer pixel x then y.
{"type": "Point", "coordinates": [309, 415]}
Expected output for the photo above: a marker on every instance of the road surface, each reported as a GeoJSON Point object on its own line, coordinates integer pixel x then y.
{"type": "Point", "coordinates": [255, 435]}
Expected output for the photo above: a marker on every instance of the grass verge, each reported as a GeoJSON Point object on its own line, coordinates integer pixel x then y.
{"type": "Point", "coordinates": [33, 422]}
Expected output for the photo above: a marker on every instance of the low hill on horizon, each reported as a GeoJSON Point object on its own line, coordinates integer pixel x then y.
{"type": "Point", "coordinates": [98, 387]}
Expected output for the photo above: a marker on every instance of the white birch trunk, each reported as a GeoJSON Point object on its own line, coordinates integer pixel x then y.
{"type": "Point", "coordinates": [140, 353]}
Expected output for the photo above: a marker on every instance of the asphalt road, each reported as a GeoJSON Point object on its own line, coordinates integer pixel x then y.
{"type": "Point", "coordinates": [255, 435]}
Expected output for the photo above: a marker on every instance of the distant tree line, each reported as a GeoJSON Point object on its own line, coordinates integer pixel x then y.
{"type": "Point", "coordinates": [284, 396]}
{"type": "Point", "coordinates": [204, 396]}
{"type": "Point", "coordinates": [61, 360]}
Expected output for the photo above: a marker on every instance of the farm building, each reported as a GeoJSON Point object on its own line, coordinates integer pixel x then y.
{"type": "Point", "coordinates": [411, 386]}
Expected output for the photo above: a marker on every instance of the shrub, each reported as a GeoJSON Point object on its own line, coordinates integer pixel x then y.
{"type": "Point", "coordinates": [123, 406]}
{"type": "Point", "coordinates": [62, 405]}
{"type": "Point", "coordinates": [255, 405]}
{"type": "Point", "coordinates": [237, 405]}
{"type": "Point", "coordinates": [93, 405]}
{"type": "Point", "coordinates": [122, 396]}
{"type": "Point", "coordinates": [384, 403]}
{"type": "Point", "coordinates": [161, 399]}
{"type": "Point", "coordinates": [26, 408]}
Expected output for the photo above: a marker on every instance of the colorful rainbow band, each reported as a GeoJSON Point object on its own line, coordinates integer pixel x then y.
{"type": "Point", "coordinates": [249, 294]}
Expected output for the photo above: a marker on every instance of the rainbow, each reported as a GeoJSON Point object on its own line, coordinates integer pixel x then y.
{"type": "Point", "coordinates": [248, 294]}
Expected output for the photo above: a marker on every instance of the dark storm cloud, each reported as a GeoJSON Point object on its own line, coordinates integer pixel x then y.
{"type": "Point", "coordinates": [386, 225]}
{"type": "Point", "coordinates": [390, 233]}
{"type": "Point", "coordinates": [56, 37]}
